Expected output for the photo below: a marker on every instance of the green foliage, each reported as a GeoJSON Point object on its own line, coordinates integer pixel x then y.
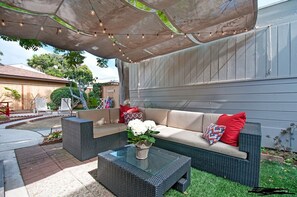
{"type": "Point", "coordinates": [102, 63]}
{"type": "Point", "coordinates": [72, 84]}
{"type": "Point", "coordinates": [51, 64]}
{"type": "Point", "coordinates": [52, 105]}
{"type": "Point", "coordinates": [26, 43]}
{"type": "Point", "coordinates": [97, 90]}
{"type": "Point", "coordinates": [1, 55]}
{"type": "Point", "coordinates": [64, 92]}
{"type": "Point", "coordinates": [93, 101]}
{"type": "Point", "coordinates": [12, 93]}
{"type": "Point", "coordinates": [54, 135]}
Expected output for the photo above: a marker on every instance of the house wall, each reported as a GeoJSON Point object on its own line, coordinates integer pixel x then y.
{"type": "Point", "coordinates": [113, 92]}
{"type": "Point", "coordinates": [28, 89]}
{"type": "Point", "coordinates": [255, 72]}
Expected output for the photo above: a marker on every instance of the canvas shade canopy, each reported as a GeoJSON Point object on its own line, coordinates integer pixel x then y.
{"type": "Point", "coordinates": [119, 29]}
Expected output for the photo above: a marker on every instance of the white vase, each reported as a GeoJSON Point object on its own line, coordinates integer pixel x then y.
{"type": "Point", "coordinates": [142, 149]}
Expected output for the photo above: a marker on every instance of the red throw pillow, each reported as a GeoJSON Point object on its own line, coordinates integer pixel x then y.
{"type": "Point", "coordinates": [125, 108]}
{"type": "Point", "coordinates": [233, 125]}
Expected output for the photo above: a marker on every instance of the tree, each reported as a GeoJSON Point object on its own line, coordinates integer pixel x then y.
{"type": "Point", "coordinates": [72, 67]}
{"type": "Point", "coordinates": [51, 64]}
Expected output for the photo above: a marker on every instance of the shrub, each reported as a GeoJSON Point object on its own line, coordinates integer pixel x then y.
{"type": "Point", "coordinates": [93, 100]}
{"type": "Point", "coordinates": [64, 92]}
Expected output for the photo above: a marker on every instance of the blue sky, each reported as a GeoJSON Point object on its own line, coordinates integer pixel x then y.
{"type": "Point", "coordinates": [14, 54]}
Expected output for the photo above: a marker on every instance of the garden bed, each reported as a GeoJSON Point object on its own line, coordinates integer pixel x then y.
{"type": "Point", "coordinates": [279, 156]}
{"type": "Point", "coordinates": [4, 119]}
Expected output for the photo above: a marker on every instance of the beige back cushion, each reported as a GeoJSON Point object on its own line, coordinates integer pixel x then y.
{"type": "Point", "coordinates": [98, 116]}
{"type": "Point", "coordinates": [185, 120]}
{"type": "Point", "coordinates": [114, 115]}
{"type": "Point", "coordinates": [208, 119]}
{"type": "Point", "coordinates": [157, 115]}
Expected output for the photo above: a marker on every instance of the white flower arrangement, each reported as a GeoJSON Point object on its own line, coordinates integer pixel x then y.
{"type": "Point", "coordinates": [139, 131]}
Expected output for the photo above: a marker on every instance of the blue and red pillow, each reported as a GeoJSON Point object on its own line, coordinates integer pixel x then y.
{"type": "Point", "coordinates": [213, 133]}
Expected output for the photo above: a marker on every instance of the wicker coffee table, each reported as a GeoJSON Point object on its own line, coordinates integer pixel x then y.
{"type": "Point", "coordinates": [124, 175]}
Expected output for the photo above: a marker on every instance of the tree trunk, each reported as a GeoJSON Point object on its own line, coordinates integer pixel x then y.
{"type": "Point", "coordinates": [82, 98]}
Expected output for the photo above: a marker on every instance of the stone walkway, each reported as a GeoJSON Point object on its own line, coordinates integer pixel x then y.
{"type": "Point", "coordinates": [51, 171]}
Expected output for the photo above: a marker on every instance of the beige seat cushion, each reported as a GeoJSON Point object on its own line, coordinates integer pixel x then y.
{"type": "Point", "coordinates": [185, 120]}
{"type": "Point", "coordinates": [157, 115]}
{"type": "Point", "coordinates": [114, 115]}
{"type": "Point", "coordinates": [209, 118]}
{"type": "Point", "coordinates": [98, 116]}
{"type": "Point", "coordinates": [108, 129]}
{"type": "Point", "coordinates": [195, 139]}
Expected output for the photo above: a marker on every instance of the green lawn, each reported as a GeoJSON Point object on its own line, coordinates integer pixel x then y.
{"type": "Point", "coordinates": [272, 175]}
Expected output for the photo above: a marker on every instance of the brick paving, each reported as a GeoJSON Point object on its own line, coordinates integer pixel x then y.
{"type": "Point", "coordinates": [43, 166]}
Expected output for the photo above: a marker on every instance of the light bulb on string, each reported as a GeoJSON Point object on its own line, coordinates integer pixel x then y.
{"type": "Point", "coordinates": [113, 44]}
{"type": "Point", "coordinates": [123, 54]}
{"type": "Point", "coordinates": [185, 35]}
{"type": "Point", "coordinates": [111, 36]}
{"type": "Point", "coordinates": [100, 23]}
{"type": "Point", "coordinates": [142, 36]}
{"type": "Point", "coordinates": [108, 35]}
{"type": "Point", "coordinates": [172, 36]}
{"type": "Point", "coordinates": [234, 32]}
{"type": "Point", "coordinates": [198, 34]}
{"type": "Point", "coordinates": [3, 22]}
{"type": "Point", "coordinates": [92, 12]}
{"type": "Point", "coordinates": [104, 30]}
{"type": "Point", "coordinates": [245, 29]}
{"type": "Point", "coordinates": [95, 34]}
{"type": "Point", "coordinates": [128, 36]}
{"type": "Point", "coordinates": [41, 28]}
{"type": "Point", "coordinates": [210, 34]}
{"type": "Point", "coordinates": [60, 30]}
{"type": "Point", "coordinates": [120, 49]}
{"type": "Point", "coordinates": [21, 24]}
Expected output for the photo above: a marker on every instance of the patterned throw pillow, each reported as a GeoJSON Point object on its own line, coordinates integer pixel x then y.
{"type": "Point", "coordinates": [213, 133]}
{"type": "Point", "coordinates": [132, 116]}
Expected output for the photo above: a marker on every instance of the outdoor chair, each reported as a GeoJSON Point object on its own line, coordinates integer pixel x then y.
{"type": "Point", "coordinates": [65, 105]}
{"type": "Point", "coordinates": [41, 106]}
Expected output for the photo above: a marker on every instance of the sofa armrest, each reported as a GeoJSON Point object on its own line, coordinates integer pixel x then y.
{"type": "Point", "coordinates": [250, 139]}
{"type": "Point", "coordinates": [78, 136]}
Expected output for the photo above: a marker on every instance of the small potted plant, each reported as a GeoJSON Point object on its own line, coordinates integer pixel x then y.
{"type": "Point", "coordinates": [141, 134]}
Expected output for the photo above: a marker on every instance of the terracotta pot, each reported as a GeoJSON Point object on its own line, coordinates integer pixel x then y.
{"type": "Point", "coordinates": [142, 149]}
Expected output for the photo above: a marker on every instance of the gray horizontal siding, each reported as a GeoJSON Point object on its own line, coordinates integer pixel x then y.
{"type": "Point", "coordinates": [255, 72]}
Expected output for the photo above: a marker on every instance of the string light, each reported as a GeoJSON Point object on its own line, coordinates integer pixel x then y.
{"type": "Point", "coordinates": [234, 32]}
{"type": "Point", "coordinates": [185, 35]}
{"type": "Point", "coordinates": [92, 12]}
{"type": "Point", "coordinates": [108, 35]}
{"type": "Point", "coordinates": [21, 24]}
{"type": "Point", "coordinates": [210, 34]}
{"type": "Point", "coordinates": [59, 30]}
{"type": "Point", "coordinates": [123, 54]}
{"type": "Point", "coordinates": [3, 23]}
{"type": "Point", "coordinates": [223, 33]}
{"type": "Point", "coordinates": [120, 50]}
{"type": "Point", "coordinates": [111, 36]}
{"type": "Point", "coordinates": [172, 36]}
{"type": "Point", "coordinates": [127, 58]}
{"type": "Point", "coordinates": [245, 29]}
{"type": "Point", "coordinates": [41, 28]}
{"type": "Point", "coordinates": [95, 34]}
{"type": "Point", "coordinates": [113, 44]}
{"type": "Point", "coordinates": [104, 30]}
{"type": "Point", "coordinates": [198, 34]}
{"type": "Point", "coordinates": [77, 32]}
{"type": "Point", "coordinates": [128, 36]}
{"type": "Point", "coordinates": [142, 36]}
{"type": "Point", "coordinates": [100, 23]}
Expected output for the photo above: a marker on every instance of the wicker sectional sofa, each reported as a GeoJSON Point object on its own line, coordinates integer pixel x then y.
{"type": "Point", "coordinates": [93, 131]}
{"type": "Point", "coordinates": [180, 132]}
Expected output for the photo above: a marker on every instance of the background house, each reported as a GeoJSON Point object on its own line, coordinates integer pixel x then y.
{"type": "Point", "coordinates": [255, 72]}
{"type": "Point", "coordinates": [29, 83]}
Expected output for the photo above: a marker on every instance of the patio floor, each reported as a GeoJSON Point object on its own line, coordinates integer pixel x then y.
{"type": "Point", "coordinates": [51, 171]}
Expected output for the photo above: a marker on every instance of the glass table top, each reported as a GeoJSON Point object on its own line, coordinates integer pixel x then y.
{"type": "Point", "coordinates": [156, 161]}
